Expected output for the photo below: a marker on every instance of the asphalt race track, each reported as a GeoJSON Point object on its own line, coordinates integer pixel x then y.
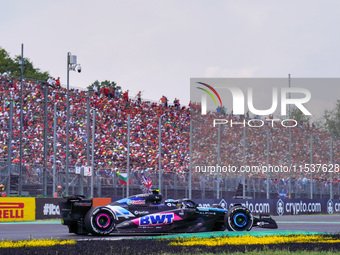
{"type": "Point", "coordinates": [54, 229]}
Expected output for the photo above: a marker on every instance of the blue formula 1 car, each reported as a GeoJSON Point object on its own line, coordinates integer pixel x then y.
{"type": "Point", "coordinates": [146, 213]}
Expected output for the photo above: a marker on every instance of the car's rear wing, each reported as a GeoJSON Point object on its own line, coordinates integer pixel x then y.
{"type": "Point", "coordinates": [75, 207]}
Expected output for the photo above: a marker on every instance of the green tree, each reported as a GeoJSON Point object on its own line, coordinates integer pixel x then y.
{"type": "Point", "coordinates": [332, 120]}
{"type": "Point", "coordinates": [104, 84]}
{"type": "Point", "coordinates": [12, 66]}
{"type": "Point", "coordinates": [6, 63]}
{"type": "Point", "coordinates": [299, 116]}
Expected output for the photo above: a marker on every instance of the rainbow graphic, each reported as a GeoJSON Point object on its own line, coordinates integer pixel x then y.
{"type": "Point", "coordinates": [204, 102]}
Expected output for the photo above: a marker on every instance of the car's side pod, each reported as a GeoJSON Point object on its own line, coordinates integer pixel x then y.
{"type": "Point", "coordinates": [264, 221]}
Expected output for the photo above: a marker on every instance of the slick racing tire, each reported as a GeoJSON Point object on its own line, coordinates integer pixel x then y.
{"type": "Point", "coordinates": [238, 218]}
{"type": "Point", "coordinates": [100, 221]}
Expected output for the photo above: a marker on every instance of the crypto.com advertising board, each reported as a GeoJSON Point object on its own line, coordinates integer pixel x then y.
{"type": "Point", "coordinates": [281, 127]}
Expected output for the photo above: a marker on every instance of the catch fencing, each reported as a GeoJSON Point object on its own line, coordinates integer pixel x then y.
{"type": "Point", "coordinates": [117, 139]}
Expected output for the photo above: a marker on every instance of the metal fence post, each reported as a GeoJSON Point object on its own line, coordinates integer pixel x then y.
{"type": "Point", "coordinates": [21, 117]}
{"type": "Point", "coordinates": [160, 154]}
{"type": "Point", "coordinates": [290, 165]}
{"type": "Point", "coordinates": [175, 185]}
{"type": "Point", "coordinates": [128, 159]}
{"type": "Point", "coordinates": [218, 161]}
{"type": "Point", "coordinates": [73, 188]}
{"type": "Point", "coordinates": [45, 141]}
{"type": "Point", "coordinates": [268, 195]}
{"type": "Point", "coordinates": [9, 160]}
{"type": "Point", "coordinates": [99, 186]}
{"type": "Point", "coordinates": [331, 173]}
{"type": "Point", "coordinates": [115, 184]}
{"type": "Point", "coordinates": [244, 163]}
{"type": "Point", "coordinates": [67, 126]}
{"type": "Point", "coordinates": [190, 159]}
{"type": "Point", "coordinates": [81, 180]}
{"type": "Point", "coordinates": [311, 162]}
{"type": "Point", "coordinates": [203, 187]}
{"type": "Point", "coordinates": [290, 146]}
{"type": "Point", "coordinates": [166, 192]}
{"type": "Point", "coordinates": [54, 146]}
{"type": "Point", "coordinates": [88, 137]}
{"type": "Point", "coordinates": [93, 145]}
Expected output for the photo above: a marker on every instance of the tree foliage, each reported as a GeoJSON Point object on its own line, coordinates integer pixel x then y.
{"type": "Point", "coordinates": [299, 116]}
{"type": "Point", "coordinates": [104, 84]}
{"type": "Point", "coordinates": [13, 68]}
{"type": "Point", "coordinates": [332, 120]}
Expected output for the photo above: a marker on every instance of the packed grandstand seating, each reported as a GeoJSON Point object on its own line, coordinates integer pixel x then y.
{"type": "Point", "coordinates": [111, 136]}
{"type": "Point", "coordinates": [256, 145]}
{"type": "Point", "coordinates": [111, 129]}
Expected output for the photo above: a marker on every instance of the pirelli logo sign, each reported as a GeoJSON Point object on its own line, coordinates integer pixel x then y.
{"type": "Point", "coordinates": [17, 209]}
{"type": "Point", "coordinates": [12, 210]}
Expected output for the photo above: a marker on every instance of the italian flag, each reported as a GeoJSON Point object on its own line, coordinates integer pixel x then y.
{"type": "Point", "coordinates": [123, 178]}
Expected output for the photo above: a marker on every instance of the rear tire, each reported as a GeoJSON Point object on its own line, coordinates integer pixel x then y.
{"type": "Point", "coordinates": [100, 221]}
{"type": "Point", "coordinates": [238, 218]}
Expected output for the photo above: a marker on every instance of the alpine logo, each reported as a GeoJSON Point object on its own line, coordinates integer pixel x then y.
{"type": "Point", "coordinates": [330, 206]}
{"type": "Point", "coordinates": [280, 207]}
{"type": "Point", "coordinates": [156, 219]}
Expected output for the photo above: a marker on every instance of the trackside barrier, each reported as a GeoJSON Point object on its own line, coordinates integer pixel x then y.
{"type": "Point", "coordinates": [29, 209]}
{"type": "Point", "coordinates": [47, 208]}
{"type": "Point", "coordinates": [17, 209]}
{"type": "Point", "coordinates": [279, 206]}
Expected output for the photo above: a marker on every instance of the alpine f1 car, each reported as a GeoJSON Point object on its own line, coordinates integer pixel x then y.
{"type": "Point", "coordinates": [147, 214]}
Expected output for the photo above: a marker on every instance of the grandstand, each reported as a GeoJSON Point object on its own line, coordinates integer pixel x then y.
{"type": "Point", "coordinates": [111, 147]}
{"type": "Point", "coordinates": [110, 136]}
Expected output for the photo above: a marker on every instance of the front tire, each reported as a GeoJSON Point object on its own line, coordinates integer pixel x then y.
{"type": "Point", "coordinates": [238, 218]}
{"type": "Point", "coordinates": [100, 221]}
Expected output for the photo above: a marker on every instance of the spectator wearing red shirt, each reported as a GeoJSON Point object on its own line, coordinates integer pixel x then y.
{"type": "Point", "coordinates": [106, 91]}
{"type": "Point", "coordinates": [126, 96]}
{"type": "Point", "coordinates": [57, 82]}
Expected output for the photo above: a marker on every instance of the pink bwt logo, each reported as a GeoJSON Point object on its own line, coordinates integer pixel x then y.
{"type": "Point", "coordinates": [239, 101]}
{"type": "Point", "coordinates": [157, 219]}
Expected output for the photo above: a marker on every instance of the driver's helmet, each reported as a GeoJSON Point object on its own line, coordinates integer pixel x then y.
{"type": "Point", "coordinates": [155, 191]}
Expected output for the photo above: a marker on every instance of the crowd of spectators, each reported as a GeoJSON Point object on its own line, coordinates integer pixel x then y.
{"type": "Point", "coordinates": [274, 139]}
{"type": "Point", "coordinates": [110, 132]}
{"type": "Point", "coordinates": [112, 111]}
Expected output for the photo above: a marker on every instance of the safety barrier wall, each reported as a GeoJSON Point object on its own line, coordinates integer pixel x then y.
{"type": "Point", "coordinates": [48, 208]}
{"type": "Point", "coordinates": [279, 206]}
{"type": "Point", "coordinates": [17, 209]}
{"type": "Point", "coordinates": [29, 209]}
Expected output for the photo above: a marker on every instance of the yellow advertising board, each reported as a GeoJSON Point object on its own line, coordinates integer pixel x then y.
{"type": "Point", "coordinates": [17, 209]}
